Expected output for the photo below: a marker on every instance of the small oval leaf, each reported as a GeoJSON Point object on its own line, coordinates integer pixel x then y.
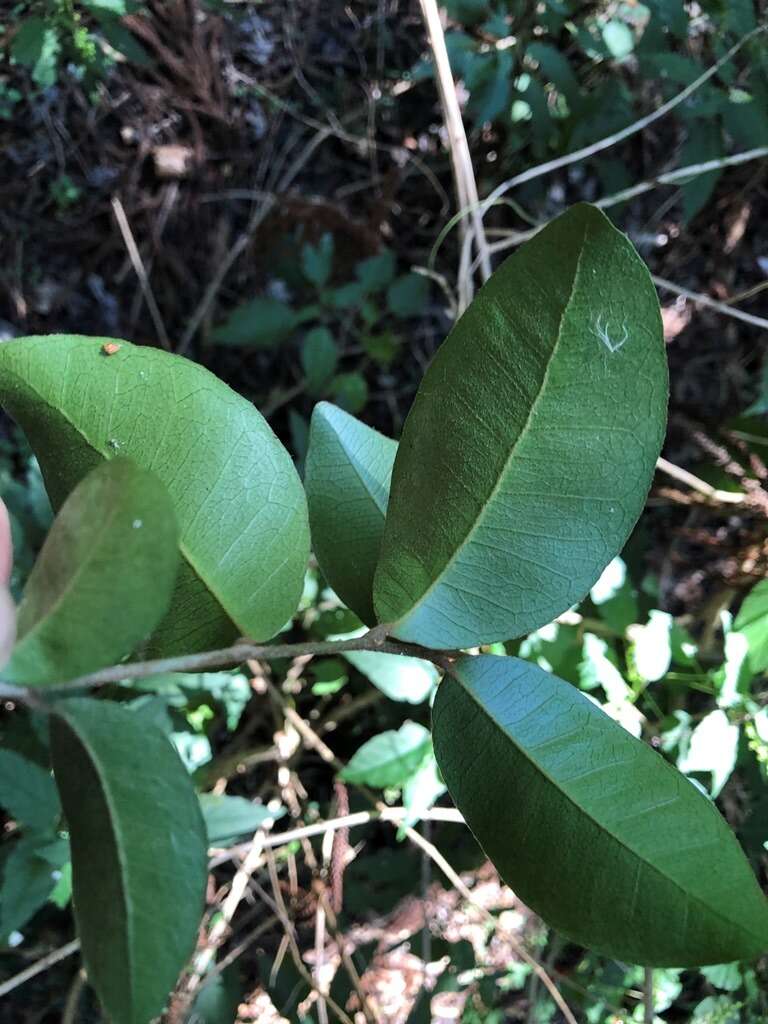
{"type": "Point", "coordinates": [347, 479]}
{"type": "Point", "coordinates": [591, 827]}
{"type": "Point", "coordinates": [103, 580]}
{"type": "Point", "coordinates": [391, 758]}
{"type": "Point", "coordinates": [138, 853]}
{"type": "Point", "coordinates": [239, 503]}
{"type": "Point", "coordinates": [528, 453]}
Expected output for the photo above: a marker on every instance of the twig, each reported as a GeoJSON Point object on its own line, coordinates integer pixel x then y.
{"type": "Point", "coordinates": [368, 1011]}
{"type": "Point", "coordinates": [434, 854]}
{"type": "Point", "coordinates": [282, 913]}
{"type": "Point", "coordinates": [624, 133]}
{"type": "Point", "coordinates": [682, 174]}
{"type": "Point", "coordinates": [322, 988]}
{"type": "Point", "coordinates": [69, 1015]}
{"type": "Point", "coordinates": [240, 948]}
{"type": "Point", "coordinates": [705, 300]}
{"type": "Point", "coordinates": [373, 640]}
{"type": "Point", "coordinates": [39, 966]}
{"type": "Point", "coordinates": [354, 820]}
{"type": "Point", "coordinates": [235, 895]}
{"type": "Point", "coordinates": [716, 495]}
{"type": "Point", "coordinates": [461, 161]}
{"type": "Point", "coordinates": [139, 269]}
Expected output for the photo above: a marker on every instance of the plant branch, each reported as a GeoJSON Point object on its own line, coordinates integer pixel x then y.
{"type": "Point", "coordinates": [226, 657]}
{"type": "Point", "coordinates": [41, 965]}
{"type": "Point", "coordinates": [354, 820]}
{"type": "Point", "coordinates": [704, 300]}
{"type": "Point", "coordinates": [682, 174]}
{"type": "Point", "coordinates": [713, 493]}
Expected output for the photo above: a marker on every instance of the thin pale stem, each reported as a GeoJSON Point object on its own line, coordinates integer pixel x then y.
{"type": "Point", "coordinates": [463, 172]}
{"type": "Point", "coordinates": [704, 300]}
{"type": "Point", "coordinates": [39, 966]}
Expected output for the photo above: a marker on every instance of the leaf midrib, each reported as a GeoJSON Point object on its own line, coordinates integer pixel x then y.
{"type": "Point", "coordinates": [580, 810]}
{"type": "Point", "coordinates": [104, 455]}
{"type": "Point", "coordinates": [515, 445]}
{"type": "Point", "coordinates": [354, 463]}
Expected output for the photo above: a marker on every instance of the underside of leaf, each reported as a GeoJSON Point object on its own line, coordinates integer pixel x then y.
{"type": "Point", "coordinates": [591, 827]}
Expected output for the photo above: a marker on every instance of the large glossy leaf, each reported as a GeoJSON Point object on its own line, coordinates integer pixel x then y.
{"type": "Point", "coordinates": [530, 447]}
{"type": "Point", "coordinates": [138, 853]}
{"type": "Point", "coordinates": [103, 580]}
{"type": "Point", "coordinates": [590, 826]}
{"type": "Point", "coordinates": [239, 503]}
{"type": "Point", "coordinates": [347, 479]}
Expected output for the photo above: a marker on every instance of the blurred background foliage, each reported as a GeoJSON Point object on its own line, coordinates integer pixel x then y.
{"type": "Point", "coordinates": [266, 187]}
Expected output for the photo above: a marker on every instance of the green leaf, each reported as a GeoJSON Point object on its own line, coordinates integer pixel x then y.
{"type": "Point", "coordinates": [104, 578]}
{"type": "Point", "coordinates": [350, 390]}
{"type": "Point", "coordinates": [591, 827]}
{"type": "Point", "coordinates": [319, 359]}
{"type": "Point", "coordinates": [30, 874]}
{"type": "Point", "coordinates": [408, 295]}
{"type": "Point", "coordinates": [716, 1010]}
{"type": "Point", "coordinates": [138, 853]}
{"type": "Point", "coordinates": [317, 260]}
{"type": "Point", "coordinates": [600, 668]}
{"type": "Point", "coordinates": [528, 453]}
{"type": "Point", "coordinates": [390, 758]}
{"type": "Point", "coordinates": [651, 651]}
{"type": "Point", "coordinates": [347, 479]}
{"type": "Point", "coordinates": [704, 142]}
{"type": "Point", "coordinates": [423, 788]}
{"type": "Point", "coordinates": [27, 792]}
{"type": "Point", "coordinates": [618, 38]}
{"type": "Point", "coordinates": [227, 818]}
{"type": "Point", "coordinates": [724, 976]}
{"type": "Point", "coordinates": [491, 90]}
{"type": "Point", "coordinates": [375, 273]}
{"type": "Point", "coordinates": [117, 8]}
{"type": "Point", "coordinates": [399, 677]}
{"type": "Point", "coordinates": [119, 37]}
{"type": "Point", "coordinates": [219, 998]}
{"type": "Point", "coordinates": [615, 597]}
{"type": "Point", "coordinates": [713, 748]}
{"type": "Point", "coordinates": [239, 503]}
{"type": "Point", "coordinates": [556, 68]}
{"type": "Point", "coordinates": [347, 296]}
{"type": "Point", "coordinates": [37, 46]}
{"type": "Point", "coordinates": [752, 622]}
{"type": "Point", "coordinates": [261, 323]}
